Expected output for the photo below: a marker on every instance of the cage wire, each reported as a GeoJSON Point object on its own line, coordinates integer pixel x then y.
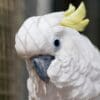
{"type": "Point", "coordinates": [11, 16]}
{"type": "Point", "coordinates": [12, 71]}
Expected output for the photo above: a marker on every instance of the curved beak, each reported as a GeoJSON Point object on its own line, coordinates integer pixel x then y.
{"type": "Point", "coordinates": [41, 64]}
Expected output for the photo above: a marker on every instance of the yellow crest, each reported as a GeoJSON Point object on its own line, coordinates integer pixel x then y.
{"type": "Point", "coordinates": [75, 18]}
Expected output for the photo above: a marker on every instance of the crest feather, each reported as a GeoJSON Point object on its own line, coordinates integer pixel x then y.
{"type": "Point", "coordinates": [75, 18]}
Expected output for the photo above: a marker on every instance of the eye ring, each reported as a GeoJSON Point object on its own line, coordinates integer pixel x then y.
{"type": "Point", "coordinates": [57, 43]}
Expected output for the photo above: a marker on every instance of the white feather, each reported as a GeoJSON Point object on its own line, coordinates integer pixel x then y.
{"type": "Point", "coordinates": [76, 68]}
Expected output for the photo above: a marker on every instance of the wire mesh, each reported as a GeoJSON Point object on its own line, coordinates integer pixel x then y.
{"type": "Point", "coordinates": [11, 14]}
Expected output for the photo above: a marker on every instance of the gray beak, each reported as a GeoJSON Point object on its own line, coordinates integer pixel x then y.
{"type": "Point", "coordinates": [41, 64]}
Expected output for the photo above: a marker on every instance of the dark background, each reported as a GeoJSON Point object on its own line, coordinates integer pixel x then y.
{"type": "Point", "coordinates": [13, 73]}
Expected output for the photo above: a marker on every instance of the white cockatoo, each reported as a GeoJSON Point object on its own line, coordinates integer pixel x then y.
{"type": "Point", "coordinates": [62, 63]}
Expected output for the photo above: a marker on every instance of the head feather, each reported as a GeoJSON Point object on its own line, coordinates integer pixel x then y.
{"type": "Point", "coordinates": [75, 18]}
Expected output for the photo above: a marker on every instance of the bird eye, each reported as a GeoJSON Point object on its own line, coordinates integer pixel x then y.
{"type": "Point", "coordinates": [57, 43]}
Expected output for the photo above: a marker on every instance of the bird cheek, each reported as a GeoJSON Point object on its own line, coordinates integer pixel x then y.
{"type": "Point", "coordinates": [54, 70]}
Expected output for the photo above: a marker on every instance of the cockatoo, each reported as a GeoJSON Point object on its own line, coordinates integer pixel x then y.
{"type": "Point", "coordinates": [62, 63]}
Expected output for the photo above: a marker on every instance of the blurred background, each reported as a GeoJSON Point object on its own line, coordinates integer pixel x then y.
{"type": "Point", "coordinates": [13, 73]}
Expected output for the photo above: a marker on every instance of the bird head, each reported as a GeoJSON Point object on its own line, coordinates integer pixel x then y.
{"type": "Point", "coordinates": [44, 39]}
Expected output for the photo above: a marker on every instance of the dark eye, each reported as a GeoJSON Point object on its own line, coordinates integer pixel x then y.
{"type": "Point", "coordinates": [57, 43]}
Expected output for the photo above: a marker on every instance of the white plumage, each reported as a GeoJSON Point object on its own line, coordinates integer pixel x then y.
{"type": "Point", "coordinates": [74, 73]}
